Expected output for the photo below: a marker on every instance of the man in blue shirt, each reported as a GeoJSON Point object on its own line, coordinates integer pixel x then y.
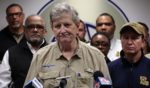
{"type": "Point", "coordinates": [131, 70]}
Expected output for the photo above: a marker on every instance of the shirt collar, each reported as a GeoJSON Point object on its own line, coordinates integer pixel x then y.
{"type": "Point", "coordinates": [77, 53]}
{"type": "Point", "coordinates": [112, 41]}
{"type": "Point", "coordinates": [126, 62]}
{"type": "Point", "coordinates": [34, 50]}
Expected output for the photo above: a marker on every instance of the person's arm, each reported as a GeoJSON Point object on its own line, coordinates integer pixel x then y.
{"type": "Point", "coordinates": [5, 73]}
{"type": "Point", "coordinates": [33, 70]}
{"type": "Point", "coordinates": [103, 66]}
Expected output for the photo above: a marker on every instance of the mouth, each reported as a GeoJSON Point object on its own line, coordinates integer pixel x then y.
{"type": "Point", "coordinates": [35, 35]}
{"type": "Point", "coordinates": [130, 48]}
{"type": "Point", "coordinates": [15, 23]}
{"type": "Point", "coordinates": [66, 35]}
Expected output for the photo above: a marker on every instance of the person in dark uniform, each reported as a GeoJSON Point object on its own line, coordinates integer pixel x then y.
{"type": "Point", "coordinates": [131, 70]}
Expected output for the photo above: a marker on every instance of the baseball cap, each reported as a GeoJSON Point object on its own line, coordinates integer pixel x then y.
{"type": "Point", "coordinates": [135, 26]}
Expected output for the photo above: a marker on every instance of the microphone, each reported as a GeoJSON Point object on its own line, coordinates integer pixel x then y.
{"type": "Point", "coordinates": [63, 83]}
{"type": "Point", "coordinates": [34, 83]}
{"type": "Point", "coordinates": [100, 81]}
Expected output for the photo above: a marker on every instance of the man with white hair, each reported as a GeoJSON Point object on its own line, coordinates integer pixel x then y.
{"type": "Point", "coordinates": [68, 57]}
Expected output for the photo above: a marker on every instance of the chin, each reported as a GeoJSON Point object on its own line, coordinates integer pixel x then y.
{"type": "Point", "coordinates": [35, 39]}
{"type": "Point", "coordinates": [16, 26]}
{"type": "Point", "coordinates": [131, 52]}
{"type": "Point", "coordinates": [65, 41]}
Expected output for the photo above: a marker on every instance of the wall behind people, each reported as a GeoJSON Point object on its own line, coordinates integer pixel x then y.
{"type": "Point", "coordinates": [134, 10]}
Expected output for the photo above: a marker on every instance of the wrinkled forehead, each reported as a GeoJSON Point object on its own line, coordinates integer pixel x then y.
{"type": "Point", "coordinates": [104, 19]}
{"type": "Point", "coordinates": [14, 9]}
{"type": "Point", "coordinates": [62, 15]}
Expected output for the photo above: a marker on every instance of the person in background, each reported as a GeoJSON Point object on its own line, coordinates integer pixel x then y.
{"type": "Point", "coordinates": [68, 57]}
{"type": "Point", "coordinates": [131, 70]}
{"type": "Point", "coordinates": [106, 23]}
{"type": "Point", "coordinates": [17, 59]}
{"type": "Point", "coordinates": [101, 41]}
{"type": "Point", "coordinates": [82, 31]}
{"type": "Point", "coordinates": [14, 33]}
{"type": "Point", "coordinates": [146, 37]}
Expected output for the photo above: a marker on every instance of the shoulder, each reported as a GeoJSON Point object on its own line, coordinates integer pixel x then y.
{"type": "Point", "coordinates": [148, 55]}
{"type": "Point", "coordinates": [4, 30]}
{"type": "Point", "coordinates": [87, 47]}
{"type": "Point", "coordinates": [146, 60]}
{"type": "Point", "coordinates": [115, 63]}
{"type": "Point", "coordinates": [4, 33]}
{"type": "Point", "coordinates": [22, 44]}
{"type": "Point", "coordinates": [91, 53]}
{"type": "Point", "coordinates": [47, 48]}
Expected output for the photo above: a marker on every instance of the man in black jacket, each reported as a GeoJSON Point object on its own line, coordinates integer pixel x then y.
{"type": "Point", "coordinates": [17, 59]}
{"type": "Point", "coordinates": [13, 33]}
{"type": "Point", "coordinates": [131, 70]}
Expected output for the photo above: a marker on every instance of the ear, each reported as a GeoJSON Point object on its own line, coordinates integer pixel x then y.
{"type": "Point", "coordinates": [45, 32]}
{"type": "Point", "coordinates": [115, 26]}
{"type": "Point", "coordinates": [23, 15]}
{"type": "Point", "coordinates": [78, 24]}
{"type": "Point", "coordinates": [7, 18]}
{"type": "Point", "coordinates": [143, 43]}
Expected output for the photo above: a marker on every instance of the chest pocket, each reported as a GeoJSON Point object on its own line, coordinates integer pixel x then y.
{"type": "Point", "coordinates": [85, 80]}
{"type": "Point", "coordinates": [48, 79]}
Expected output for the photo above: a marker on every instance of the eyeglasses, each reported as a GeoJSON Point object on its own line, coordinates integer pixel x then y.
{"type": "Point", "coordinates": [107, 24]}
{"type": "Point", "coordinates": [37, 26]}
{"type": "Point", "coordinates": [14, 14]}
{"type": "Point", "coordinates": [103, 44]}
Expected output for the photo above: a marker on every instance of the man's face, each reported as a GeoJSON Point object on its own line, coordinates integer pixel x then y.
{"type": "Point", "coordinates": [65, 30]}
{"type": "Point", "coordinates": [102, 43]}
{"type": "Point", "coordinates": [35, 30]}
{"type": "Point", "coordinates": [105, 24]}
{"type": "Point", "coordinates": [131, 42]}
{"type": "Point", "coordinates": [81, 31]}
{"type": "Point", "coordinates": [15, 17]}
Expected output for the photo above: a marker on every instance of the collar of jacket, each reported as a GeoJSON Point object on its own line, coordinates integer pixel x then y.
{"type": "Point", "coordinates": [126, 62]}
{"type": "Point", "coordinates": [24, 44]}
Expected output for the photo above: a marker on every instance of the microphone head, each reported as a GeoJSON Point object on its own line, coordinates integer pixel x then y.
{"type": "Point", "coordinates": [63, 83]}
{"type": "Point", "coordinates": [97, 74]}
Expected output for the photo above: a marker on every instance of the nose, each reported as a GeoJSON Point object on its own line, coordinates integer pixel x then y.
{"type": "Point", "coordinates": [62, 28]}
{"type": "Point", "coordinates": [35, 29]}
{"type": "Point", "coordinates": [103, 30]}
{"type": "Point", "coordinates": [129, 41]}
{"type": "Point", "coordinates": [103, 27]}
{"type": "Point", "coordinates": [14, 16]}
{"type": "Point", "coordinates": [99, 47]}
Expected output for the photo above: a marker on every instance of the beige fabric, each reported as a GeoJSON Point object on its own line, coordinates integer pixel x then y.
{"type": "Point", "coordinates": [148, 55]}
{"type": "Point", "coordinates": [135, 26]}
{"type": "Point", "coordinates": [48, 65]}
